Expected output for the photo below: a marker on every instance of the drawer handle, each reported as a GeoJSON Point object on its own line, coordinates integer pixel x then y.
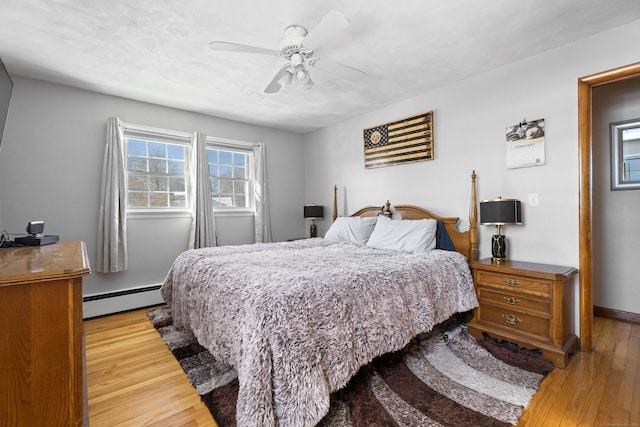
{"type": "Point", "coordinates": [511, 300]}
{"type": "Point", "coordinates": [511, 282]}
{"type": "Point", "coordinates": [512, 320]}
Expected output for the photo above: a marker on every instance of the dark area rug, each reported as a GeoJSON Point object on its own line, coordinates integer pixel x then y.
{"type": "Point", "coordinates": [443, 378]}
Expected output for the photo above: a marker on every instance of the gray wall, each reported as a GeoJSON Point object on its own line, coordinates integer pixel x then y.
{"type": "Point", "coordinates": [469, 122]}
{"type": "Point", "coordinates": [51, 166]}
{"type": "Point", "coordinates": [615, 214]}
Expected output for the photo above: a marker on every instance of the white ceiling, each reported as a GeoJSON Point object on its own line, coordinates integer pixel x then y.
{"type": "Point", "coordinates": [158, 50]}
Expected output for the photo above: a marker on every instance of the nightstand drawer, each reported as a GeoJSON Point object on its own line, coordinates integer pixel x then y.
{"type": "Point", "coordinates": [517, 283]}
{"type": "Point", "coordinates": [515, 321]}
{"type": "Point", "coordinates": [514, 300]}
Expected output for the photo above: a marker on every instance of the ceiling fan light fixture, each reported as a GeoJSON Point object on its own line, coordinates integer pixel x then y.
{"type": "Point", "coordinates": [297, 47]}
{"type": "Point", "coordinates": [302, 75]}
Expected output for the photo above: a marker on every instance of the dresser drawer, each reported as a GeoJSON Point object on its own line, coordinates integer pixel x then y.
{"type": "Point", "coordinates": [517, 283]}
{"type": "Point", "coordinates": [515, 321]}
{"type": "Point", "coordinates": [514, 300]}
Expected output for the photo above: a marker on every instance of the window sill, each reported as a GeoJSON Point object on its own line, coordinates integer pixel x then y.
{"type": "Point", "coordinates": [232, 213]}
{"type": "Point", "coordinates": [155, 214]}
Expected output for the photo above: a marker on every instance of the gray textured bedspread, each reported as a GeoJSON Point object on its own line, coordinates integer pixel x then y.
{"type": "Point", "coordinates": [297, 319]}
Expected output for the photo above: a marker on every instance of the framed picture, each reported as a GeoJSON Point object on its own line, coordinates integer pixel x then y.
{"type": "Point", "coordinates": [403, 141]}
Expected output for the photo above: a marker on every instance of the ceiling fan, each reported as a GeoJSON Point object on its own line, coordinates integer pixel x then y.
{"type": "Point", "coordinates": [297, 47]}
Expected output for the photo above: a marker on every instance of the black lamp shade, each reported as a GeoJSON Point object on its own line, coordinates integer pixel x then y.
{"type": "Point", "coordinates": [500, 212]}
{"type": "Point", "coordinates": [313, 211]}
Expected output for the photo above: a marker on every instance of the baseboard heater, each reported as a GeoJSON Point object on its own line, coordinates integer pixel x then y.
{"type": "Point", "coordinates": [122, 300]}
{"type": "Point", "coordinates": [124, 292]}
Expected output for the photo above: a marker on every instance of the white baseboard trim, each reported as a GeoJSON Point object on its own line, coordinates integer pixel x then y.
{"type": "Point", "coordinates": [122, 300]}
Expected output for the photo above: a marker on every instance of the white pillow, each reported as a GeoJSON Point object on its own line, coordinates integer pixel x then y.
{"type": "Point", "coordinates": [415, 236]}
{"type": "Point", "coordinates": [351, 229]}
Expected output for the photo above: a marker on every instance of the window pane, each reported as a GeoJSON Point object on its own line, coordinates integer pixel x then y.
{"type": "Point", "coordinates": [238, 159]}
{"type": "Point", "coordinates": [226, 187]}
{"type": "Point", "coordinates": [158, 183]}
{"type": "Point", "coordinates": [632, 169]}
{"type": "Point", "coordinates": [239, 172]}
{"type": "Point", "coordinates": [225, 171]}
{"type": "Point", "coordinates": [212, 156]}
{"type": "Point", "coordinates": [175, 151]}
{"type": "Point", "coordinates": [176, 184]}
{"type": "Point", "coordinates": [213, 170]}
{"type": "Point", "coordinates": [178, 200]}
{"type": "Point", "coordinates": [240, 201]}
{"type": "Point", "coordinates": [135, 147]}
{"type": "Point", "coordinates": [157, 149]}
{"type": "Point", "coordinates": [137, 164]}
{"type": "Point", "coordinates": [239, 187]}
{"type": "Point", "coordinates": [137, 199]}
{"type": "Point", "coordinates": [225, 157]}
{"type": "Point", "coordinates": [158, 200]}
{"type": "Point", "coordinates": [157, 166]}
{"type": "Point", "coordinates": [214, 186]}
{"type": "Point", "coordinates": [176, 166]}
{"type": "Point", "coordinates": [223, 201]}
{"type": "Point", "coordinates": [137, 182]}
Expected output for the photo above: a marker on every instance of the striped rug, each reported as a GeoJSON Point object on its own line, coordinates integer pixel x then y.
{"type": "Point", "coordinates": [444, 379]}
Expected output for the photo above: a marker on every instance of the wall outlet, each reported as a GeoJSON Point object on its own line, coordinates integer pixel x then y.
{"type": "Point", "coordinates": [533, 200]}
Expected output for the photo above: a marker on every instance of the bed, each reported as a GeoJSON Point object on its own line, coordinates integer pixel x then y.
{"type": "Point", "coordinates": [298, 319]}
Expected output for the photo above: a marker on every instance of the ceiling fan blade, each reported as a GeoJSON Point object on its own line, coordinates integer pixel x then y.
{"type": "Point", "coordinates": [281, 77]}
{"type": "Point", "coordinates": [340, 70]}
{"type": "Point", "coordinates": [242, 48]}
{"type": "Point", "coordinates": [331, 24]}
{"type": "Point", "coordinates": [308, 84]}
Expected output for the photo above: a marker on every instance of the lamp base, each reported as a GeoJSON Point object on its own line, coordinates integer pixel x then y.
{"type": "Point", "coordinates": [313, 230]}
{"type": "Point", "coordinates": [498, 248]}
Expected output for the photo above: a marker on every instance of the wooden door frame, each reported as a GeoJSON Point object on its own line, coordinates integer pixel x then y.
{"type": "Point", "coordinates": [585, 87]}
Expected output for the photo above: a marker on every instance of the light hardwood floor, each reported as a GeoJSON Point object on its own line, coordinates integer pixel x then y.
{"type": "Point", "coordinates": [133, 380]}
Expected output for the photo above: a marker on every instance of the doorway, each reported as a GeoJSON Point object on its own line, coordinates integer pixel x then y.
{"type": "Point", "coordinates": [585, 87]}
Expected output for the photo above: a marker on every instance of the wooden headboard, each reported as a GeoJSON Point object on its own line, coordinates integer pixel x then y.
{"type": "Point", "coordinates": [466, 242]}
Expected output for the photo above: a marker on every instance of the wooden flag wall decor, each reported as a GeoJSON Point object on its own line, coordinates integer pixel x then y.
{"type": "Point", "coordinates": [403, 141]}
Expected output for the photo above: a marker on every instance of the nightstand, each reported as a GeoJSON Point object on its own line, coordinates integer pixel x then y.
{"type": "Point", "coordinates": [526, 303]}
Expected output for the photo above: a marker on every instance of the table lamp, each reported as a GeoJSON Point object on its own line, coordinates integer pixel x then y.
{"type": "Point", "coordinates": [500, 212]}
{"type": "Point", "coordinates": [313, 212]}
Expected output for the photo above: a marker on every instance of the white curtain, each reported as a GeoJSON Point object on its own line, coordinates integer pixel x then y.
{"type": "Point", "coordinates": [112, 218]}
{"type": "Point", "coordinates": [203, 225]}
{"type": "Point", "coordinates": [263, 222]}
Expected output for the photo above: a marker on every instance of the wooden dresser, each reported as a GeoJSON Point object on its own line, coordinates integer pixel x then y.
{"type": "Point", "coordinates": [41, 338]}
{"type": "Point", "coordinates": [526, 303]}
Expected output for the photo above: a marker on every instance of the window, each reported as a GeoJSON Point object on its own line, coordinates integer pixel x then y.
{"type": "Point", "coordinates": [158, 169]}
{"type": "Point", "coordinates": [625, 155]}
{"type": "Point", "coordinates": [159, 174]}
{"type": "Point", "coordinates": [230, 171]}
